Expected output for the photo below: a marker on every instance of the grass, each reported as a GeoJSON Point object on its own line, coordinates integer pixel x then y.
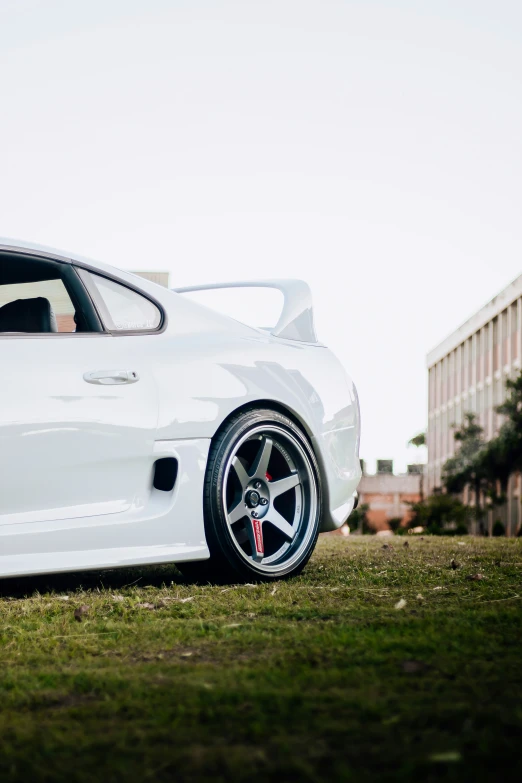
{"type": "Point", "coordinates": [322, 678]}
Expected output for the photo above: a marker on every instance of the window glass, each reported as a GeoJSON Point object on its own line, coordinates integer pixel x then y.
{"type": "Point", "coordinates": [480, 401]}
{"type": "Point", "coordinates": [125, 310]}
{"type": "Point", "coordinates": [498, 391]}
{"type": "Point", "coordinates": [52, 290]}
{"type": "Point", "coordinates": [514, 314]}
{"type": "Point", "coordinates": [458, 415]}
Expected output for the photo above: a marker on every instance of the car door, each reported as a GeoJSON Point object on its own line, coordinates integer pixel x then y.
{"type": "Point", "coordinates": [78, 409]}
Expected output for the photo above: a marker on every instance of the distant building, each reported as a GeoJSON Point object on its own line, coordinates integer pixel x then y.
{"type": "Point", "coordinates": [388, 495]}
{"type": "Point", "coordinates": [384, 466]}
{"type": "Point", "coordinates": [162, 278]}
{"type": "Point", "coordinates": [467, 373]}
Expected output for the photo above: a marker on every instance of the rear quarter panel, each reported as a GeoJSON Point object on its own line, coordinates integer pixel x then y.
{"type": "Point", "coordinates": [204, 377]}
{"type": "Point", "coordinates": [209, 365]}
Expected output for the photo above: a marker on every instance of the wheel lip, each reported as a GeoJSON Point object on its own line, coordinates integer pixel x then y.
{"type": "Point", "coordinates": [281, 567]}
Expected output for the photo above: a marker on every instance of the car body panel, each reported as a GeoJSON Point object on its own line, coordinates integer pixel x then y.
{"type": "Point", "coordinates": [196, 371]}
{"type": "Point", "coordinates": [165, 527]}
{"type": "Point", "coordinates": [71, 448]}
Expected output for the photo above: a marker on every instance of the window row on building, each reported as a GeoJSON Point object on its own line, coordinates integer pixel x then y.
{"type": "Point", "coordinates": [468, 373]}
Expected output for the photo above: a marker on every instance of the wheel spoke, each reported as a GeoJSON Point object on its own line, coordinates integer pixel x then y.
{"type": "Point", "coordinates": [254, 530]}
{"type": "Point", "coordinates": [283, 485]}
{"type": "Point", "coordinates": [238, 512]}
{"type": "Point", "coordinates": [268, 463]}
{"type": "Point", "coordinates": [260, 466]}
{"type": "Point", "coordinates": [277, 520]}
{"type": "Point", "coordinates": [241, 473]}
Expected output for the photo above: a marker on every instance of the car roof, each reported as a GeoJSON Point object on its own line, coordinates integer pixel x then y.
{"type": "Point", "coordinates": [34, 249]}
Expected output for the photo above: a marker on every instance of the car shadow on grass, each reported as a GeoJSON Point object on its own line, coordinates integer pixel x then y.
{"type": "Point", "coordinates": [80, 581]}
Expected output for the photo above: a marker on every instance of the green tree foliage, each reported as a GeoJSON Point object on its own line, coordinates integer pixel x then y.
{"type": "Point", "coordinates": [510, 435]}
{"type": "Point", "coordinates": [359, 519]}
{"type": "Point", "coordinates": [418, 440]}
{"type": "Point", "coordinates": [486, 467]}
{"type": "Point", "coordinates": [467, 467]}
{"type": "Point", "coordinates": [499, 529]}
{"type": "Point", "coordinates": [441, 512]}
{"type": "Point", "coordinates": [464, 467]}
{"type": "Point", "coordinates": [395, 523]}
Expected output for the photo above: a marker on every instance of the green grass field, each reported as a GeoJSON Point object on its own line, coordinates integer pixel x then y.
{"type": "Point", "coordinates": [377, 664]}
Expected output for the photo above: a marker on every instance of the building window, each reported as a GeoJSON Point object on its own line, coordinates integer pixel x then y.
{"type": "Point", "coordinates": [496, 345]}
{"type": "Point", "coordinates": [472, 403]}
{"type": "Point", "coordinates": [498, 391]}
{"type": "Point", "coordinates": [487, 351]}
{"type": "Point", "coordinates": [444, 430]}
{"type": "Point", "coordinates": [514, 317]}
{"type": "Point", "coordinates": [514, 328]}
{"type": "Point", "coordinates": [458, 414]}
{"type": "Point", "coordinates": [480, 401]}
{"type": "Point", "coordinates": [431, 390]}
{"type": "Point", "coordinates": [504, 357]}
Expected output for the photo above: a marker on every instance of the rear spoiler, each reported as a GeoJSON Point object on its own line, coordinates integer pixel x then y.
{"type": "Point", "coordinates": [296, 321]}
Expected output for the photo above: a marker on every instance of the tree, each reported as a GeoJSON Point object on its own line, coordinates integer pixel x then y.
{"type": "Point", "coordinates": [418, 441]}
{"type": "Point", "coordinates": [510, 435]}
{"type": "Point", "coordinates": [495, 464]}
{"type": "Point", "coordinates": [485, 466]}
{"type": "Point", "coordinates": [467, 467]}
{"type": "Point", "coordinates": [359, 518]}
{"type": "Point", "coordinates": [438, 512]}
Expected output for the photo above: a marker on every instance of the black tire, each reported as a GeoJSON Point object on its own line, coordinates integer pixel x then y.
{"type": "Point", "coordinates": [239, 552]}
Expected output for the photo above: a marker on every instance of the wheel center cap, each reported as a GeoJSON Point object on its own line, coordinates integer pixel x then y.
{"type": "Point", "coordinates": [252, 498]}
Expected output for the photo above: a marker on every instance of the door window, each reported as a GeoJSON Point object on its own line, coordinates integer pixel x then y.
{"type": "Point", "coordinates": [39, 296]}
{"type": "Point", "coordinates": [53, 291]}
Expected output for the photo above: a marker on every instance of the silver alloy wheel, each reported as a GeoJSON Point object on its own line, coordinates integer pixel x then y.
{"type": "Point", "coordinates": [270, 498]}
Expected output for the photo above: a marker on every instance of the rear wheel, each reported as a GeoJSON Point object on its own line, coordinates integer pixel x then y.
{"type": "Point", "coordinates": [262, 501]}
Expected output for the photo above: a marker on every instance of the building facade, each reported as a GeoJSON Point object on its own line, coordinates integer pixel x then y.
{"type": "Point", "coordinates": [388, 495]}
{"type": "Point", "coordinates": [467, 372]}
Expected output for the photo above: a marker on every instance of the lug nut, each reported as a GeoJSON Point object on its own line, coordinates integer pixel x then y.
{"type": "Point", "coordinates": [263, 501]}
{"type": "Point", "coordinates": [257, 485]}
{"type": "Point", "coordinates": [254, 514]}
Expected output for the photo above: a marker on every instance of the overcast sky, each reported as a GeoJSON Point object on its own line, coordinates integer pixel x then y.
{"type": "Point", "coordinates": [371, 148]}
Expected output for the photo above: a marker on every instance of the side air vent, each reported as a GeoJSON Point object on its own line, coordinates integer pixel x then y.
{"type": "Point", "coordinates": [165, 473]}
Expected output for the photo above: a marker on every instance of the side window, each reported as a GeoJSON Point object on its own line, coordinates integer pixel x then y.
{"type": "Point", "coordinates": [122, 309]}
{"type": "Point", "coordinates": [24, 303]}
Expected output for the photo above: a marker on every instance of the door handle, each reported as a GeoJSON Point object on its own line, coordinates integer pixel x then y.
{"type": "Point", "coordinates": [111, 377]}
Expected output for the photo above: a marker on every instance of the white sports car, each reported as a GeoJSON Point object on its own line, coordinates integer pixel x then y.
{"type": "Point", "coordinates": [137, 426]}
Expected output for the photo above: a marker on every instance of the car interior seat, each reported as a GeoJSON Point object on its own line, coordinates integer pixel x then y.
{"type": "Point", "coordinates": [28, 315]}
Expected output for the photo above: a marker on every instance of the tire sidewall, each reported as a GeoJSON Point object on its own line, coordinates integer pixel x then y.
{"type": "Point", "coordinates": [219, 537]}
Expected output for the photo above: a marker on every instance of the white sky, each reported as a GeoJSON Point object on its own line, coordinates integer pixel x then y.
{"type": "Point", "coordinates": [371, 148]}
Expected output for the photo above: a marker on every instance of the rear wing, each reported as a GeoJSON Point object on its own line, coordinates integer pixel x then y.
{"type": "Point", "coordinates": [296, 321]}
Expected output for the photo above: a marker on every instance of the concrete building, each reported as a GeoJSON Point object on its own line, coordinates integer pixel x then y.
{"type": "Point", "coordinates": [467, 372]}
{"type": "Point", "coordinates": [162, 278]}
{"type": "Point", "coordinates": [389, 495]}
